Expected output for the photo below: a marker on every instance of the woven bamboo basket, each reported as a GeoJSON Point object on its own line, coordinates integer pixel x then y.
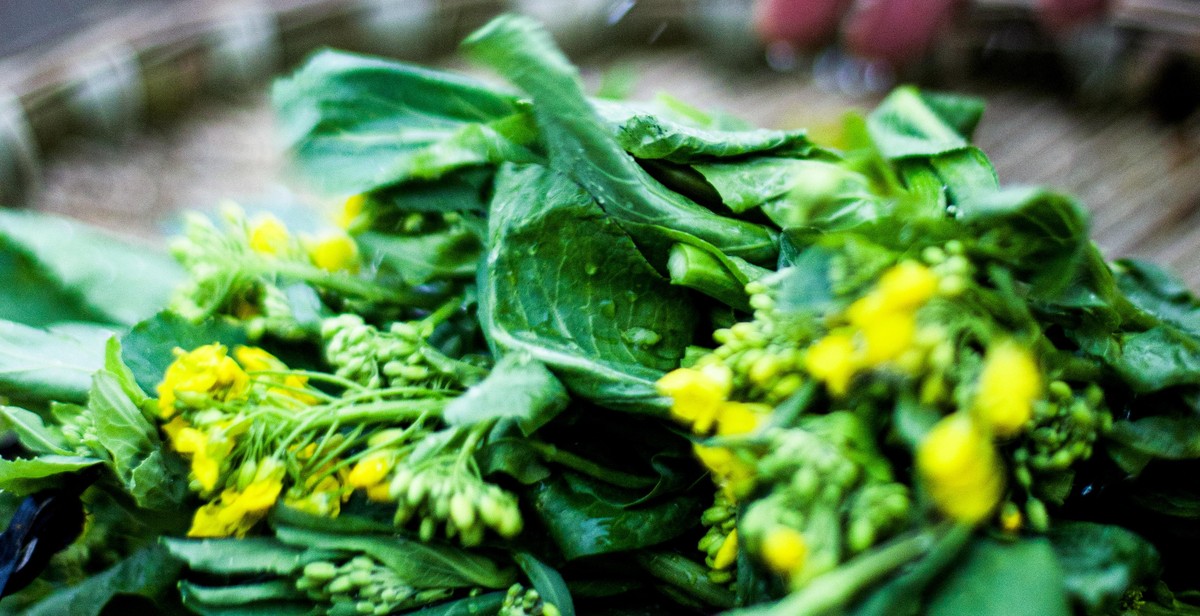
{"type": "Point", "coordinates": [164, 108]}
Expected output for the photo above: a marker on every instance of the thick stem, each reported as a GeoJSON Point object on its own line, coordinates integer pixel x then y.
{"type": "Point", "coordinates": [688, 576]}
{"type": "Point", "coordinates": [550, 453]}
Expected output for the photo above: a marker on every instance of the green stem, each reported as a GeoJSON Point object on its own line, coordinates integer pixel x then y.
{"type": "Point", "coordinates": [337, 282]}
{"type": "Point", "coordinates": [396, 411]}
{"type": "Point", "coordinates": [833, 590]}
{"type": "Point", "coordinates": [550, 453]}
{"type": "Point", "coordinates": [686, 575]}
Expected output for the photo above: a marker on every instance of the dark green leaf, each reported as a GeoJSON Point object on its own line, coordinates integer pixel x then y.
{"type": "Point", "coordinates": [149, 573]}
{"type": "Point", "coordinates": [818, 185]}
{"type": "Point", "coordinates": [585, 517]}
{"type": "Point", "coordinates": [1160, 436]}
{"type": "Point", "coordinates": [996, 578]}
{"type": "Point", "coordinates": [39, 365]}
{"type": "Point", "coordinates": [563, 283]}
{"type": "Point", "coordinates": [520, 50]}
{"type": "Point", "coordinates": [547, 581]}
{"type": "Point", "coordinates": [262, 608]}
{"type": "Point", "coordinates": [25, 476]}
{"type": "Point", "coordinates": [111, 278]}
{"type": "Point", "coordinates": [1158, 292]}
{"type": "Point", "coordinates": [967, 174]}
{"type": "Point", "coordinates": [518, 388]}
{"type": "Point", "coordinates": [356, 123]}
{"type": "Point", "coordinates": [32, 431]}
{"type": "Point", "coordinates": [420, 565]}
{"type": "Point", "coordinates": [149, 347]}
{"type": "Point", "coordinates": [513, 457]}
{"type": "Point", "coordinates": [1159, 358]}
{"type": "Point", "coordinates": [1100, 563]}
{"type": "Point", "coordinates": [904, 594]}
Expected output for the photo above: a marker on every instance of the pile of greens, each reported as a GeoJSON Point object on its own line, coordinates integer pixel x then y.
{"type": "Point", "coordinates": [568, 355]}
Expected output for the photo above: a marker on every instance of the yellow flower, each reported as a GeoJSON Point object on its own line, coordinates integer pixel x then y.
{"type": "Point", "coordinates": [887, 337]}
{"type": "Point", "coordinates": [323, 498]}
{"type": "Point", "coordinates": [235, 513]}
{"type": "Point", "coordinates": [203, 374]}
{"type": "Point", "coordinates": [734, 475]}
{"type": "Point", "coordinates": [269, 236]}
{"type": "Point", "coordinates": [727, 554]}
{"type": "Point", "coordinates": [255, 359]}
{"type": "Point", "coordinates": [833, 359]}
{"type": "Point", "coordinates": [735, 418]}
{"type": "Point", "coordinates": [960, 469]}
{"type": "Point", "coordinates": [1009, 384]}
{"type": "Point", "coordinates": [371, 470]}
{"type": "Point", "coordinates": [906, 286]}
{"type": "Point", "coordinates": [784, 550]}
{"type": "Point", "coordinates": [1011, 519]}
{"type": "Point", "coordinates": [697, 394]}
{"type": "Point", "coordinates": [334, 253]}
{"type": "Point", "coordinates": [352, 209]}
{"type": "Point", "coordinates": [380, 493]}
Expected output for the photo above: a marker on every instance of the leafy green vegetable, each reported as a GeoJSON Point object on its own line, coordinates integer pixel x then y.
{"type": "Point", "coordinates": [24, 476]}
{"type": "Point", "coordinates": [109, 278]}
{"type": "Point", "coordinates": [149, 347]}
{"type": "Point", "coordinates": [241, 556]}
{"type": "Point", "coordinates": [548, 582]}
{"type": "Point", "coordinates": [39, 365]}
{"type": "Point", "coordinates": [33, 433]}
{"type": "Point", "coordinates": [538, 279]}
{"type": "Point", "coordinates": [910, 122]}
{"type": "Point", "coordinates": [522, 51]}
{"type": "Point", "coordinates": [1159, 358]}
{"type": "Point", "coordinates": [1100, 563]}
{"type": "Point", "coordinates": [148, 573]}
{"type": "Point", "coordinates": [1023, 577]}
{"type": "Point", "coordinates": [409, 122]}
{"type": "Point", "coordinates": [518, 388]}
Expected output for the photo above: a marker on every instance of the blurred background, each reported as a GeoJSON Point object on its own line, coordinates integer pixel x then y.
{"type": "Point", "coordinates": [125, 112]}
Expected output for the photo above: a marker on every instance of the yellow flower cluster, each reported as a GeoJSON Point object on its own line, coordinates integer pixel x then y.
{"type": "Point", "coordinates": [199, 377]}
{"type": "Point", "coordinates": [371, 474]}
{"type": "Point", "coordinates": [1009, 384]}
{"type": "Point", "coordinates": [726, 555]}
{"type": "Point", "coordinates": [209, 449]}
{"type": "Point", "coordinates": [237, 511]}
{"type": "Point", "coordinates": [294, 386]}
{"type": "Point", "coordinates": [324, 490]}
{"type": "Point", "coordinates": [881, 327]}
{"type": "Point", "coordinates": [699, 398]}
{"type": "Point", "coordinates": [960, 468]}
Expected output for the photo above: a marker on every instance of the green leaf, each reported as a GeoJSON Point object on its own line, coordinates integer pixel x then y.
{"type": "Point", "coordinates": [159, 481]}
{"type": "Point", "coordinates": [547, 581]}
{"type": "Point", "coordinates": [996, 578]}
{"type": "Point", "coordinates": [519, 388]}
{"type": "Point", "coordinates": [913, 123]}
{"type": "Point", "coordinates": [513, 457]}
{"type": "Point", "coordinates": [417, 259]}
{"type": "Point", "coordinates": [356, 123]}
{"type": "Point", "coordinates": [563, 283]}
{"type": "Point", "coordinates": [523, 52]}
{"type": "Point", "coordinates": [31, 430]}
{"type": "Point", "coordinates": [117, 281]}
{"type": "Point", "coordinates": [260, 608]}
{"type": "Point", "coordinates": [39, 365]}
{"type": "Point", "coordinates": [585, 517]}
{"type": "Point", "coordinates": [420, 565]}
{"type": "Point", "coordinates": [251, 555]}
{"type": "Point", "coordinates": [1155, 290]}
{"type": "Point", "coordinates": [242, 595]}
{"type": "Point", "coordinates": [24, 476]}
{"type": "Point", "coordinates": [1100, 562]}
{"type": "Point", "coordinates": [1041, 235]}
{"type": "Point", "coordinates": [820, 185]}
{"type": "Point", "coordinates": [149, 572]}
{"type": "Point", "coordinates": [1160, 436]}
{"type": "Point", "coordinates": [149, 347]}
{"type": "Point", "coordinates": [655, 132]}
{"type": "Point", "coordinates": [1159, 358]}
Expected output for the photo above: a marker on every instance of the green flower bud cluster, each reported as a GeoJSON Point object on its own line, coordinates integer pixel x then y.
{"type": "Point", "coordinates": [765, 355]}
{"type": "Point", "coordinates": [525, 602]}
{"type": "Point", "coordinates": [211, 259]}
{"type": "Point", "coordinates": [1065, 428]}
{"type": "Point", "coordinates": [78, 429]}
{"type": "Point", "coordinates": [464, 506]}
{"type": "Point", "coordinates": [365, 355]}
{"type": "Point", "coordinates": [276, 317]}
{"type": "Point", "coordinates": [362, 585]}
{"type": "Point", "coordinates": [830, 485]}
{"type": "Point", "coordinates": [721, 520]}
{"type": "Point", "coordinates": [953, 269]}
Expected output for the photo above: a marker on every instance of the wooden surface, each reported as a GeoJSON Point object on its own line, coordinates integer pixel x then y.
{"type": "Point", "coordinates": [1138, 178]}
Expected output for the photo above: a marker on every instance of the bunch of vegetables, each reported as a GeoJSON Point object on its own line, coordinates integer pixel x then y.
{"type": "Point", "coordinates": [568, 355]}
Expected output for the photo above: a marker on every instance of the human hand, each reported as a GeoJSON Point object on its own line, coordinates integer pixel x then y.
{"type": "Point", "coordinates": [896, 31]}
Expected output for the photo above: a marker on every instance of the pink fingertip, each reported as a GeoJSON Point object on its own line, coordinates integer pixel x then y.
{"type": "Point", "coordinates": [805, 23]}
{"type": "Point", "coordinates": [898, 31]}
